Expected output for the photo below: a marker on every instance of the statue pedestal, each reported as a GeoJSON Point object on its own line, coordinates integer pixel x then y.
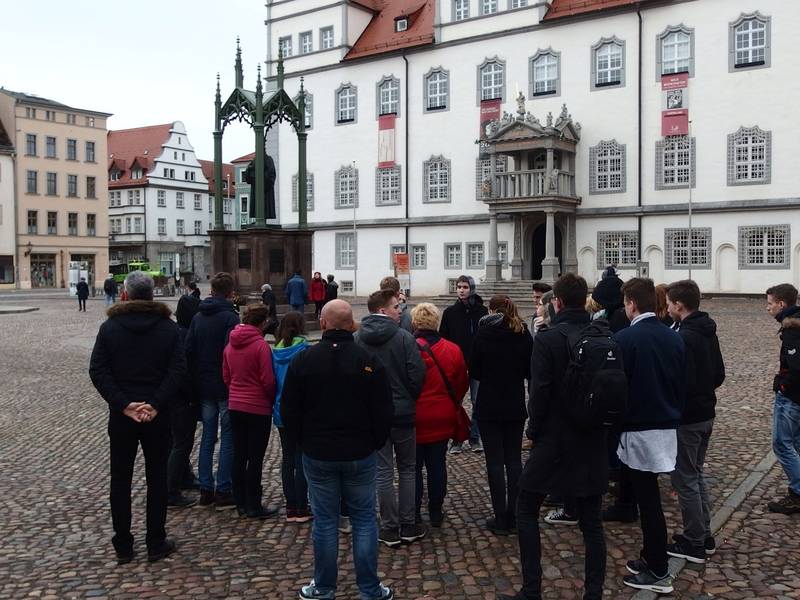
{"type": "Point", "coordinates": [255, 256]}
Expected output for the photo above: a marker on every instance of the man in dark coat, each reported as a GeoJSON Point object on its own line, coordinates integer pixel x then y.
{"type": "Point", "coordinates": [296, 292]}
{"type": "Point", "coordinates": [460, 326]}
{"type": "Point", "coordinates": [565, 460]}
{"type": "Point", "coordinates": [137, 365]}
{"type": "Point", "coordinates": [110, 290]}
{"type": "Point", "coordinates": [331, 289]}
{"type": "Point", "coordinates": [82, 288]}
{"type": "Point", "coordinates": [608, 294]}
{"type": "Point", "coordinates": [205, 341]}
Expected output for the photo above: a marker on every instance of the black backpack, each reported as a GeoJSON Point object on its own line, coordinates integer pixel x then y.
{"type": "Point", "coordinates": [595, 388]}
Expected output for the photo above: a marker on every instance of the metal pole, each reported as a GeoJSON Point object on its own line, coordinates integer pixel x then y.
{"type": "Point", "coordinates": [690, 200]}
{"type": "Point", "coordinates": [355, 245]}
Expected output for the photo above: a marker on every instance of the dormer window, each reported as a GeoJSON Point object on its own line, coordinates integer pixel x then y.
{"type": "Point", "coordinates": [401, 24]}
{"type": "Point", "coordinates": [113, 175]}
{"type": "Point", "coordinates": [136, 174]}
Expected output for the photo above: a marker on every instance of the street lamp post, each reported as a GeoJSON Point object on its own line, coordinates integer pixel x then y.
{"type": "Point", "coordinates": [355, 245]}
{"type": "Point", "coordinates": [690, 242]}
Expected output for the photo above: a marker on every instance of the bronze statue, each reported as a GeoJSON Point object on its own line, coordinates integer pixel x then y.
{"type": "Point", "coordinates": [269, 187]}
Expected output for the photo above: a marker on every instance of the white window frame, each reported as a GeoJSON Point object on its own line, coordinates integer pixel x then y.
{"type": "Point", "coordinates": [138, 225]}
{"type": "Point", "coordinates": [674, 154]}
{"type": "Point", "coordinates": [667, 62]}
{"type": "Point", "coordinates": [306, 42]}
{"type": "Point", "coordinates": [161, 198]}
{"type": "Point", "coordinates": [754, 54]}
{"type": "Point", "coordinates": [437, 180]}
{"type": "Point", "coordinates": [162, 226]}
{"type": "Point", "coordinates": [518, 4]}
{"type": "Point", "coordinates": [678, 252]}
{"type": "Point", "coordinates": [491, 80]}
{"type": "Point", "coordinates": [605, 73]}
{"type": "Point", "coordinates": [750, 156]}
{"type": "Point", "coordinates": [620, 248]}
{"type": "Point", "coordinates": [460, 10]}
{"type": "Point", "coordinates": [309, 192]}
{"type": "Point", "coordinates": [388, 186]}
{"type": "Point", "coordinates": [285, 46]}
{"type": "Point", "coordinates": [346, 248]}
{"type": "Point", "coordinates": [198, 227]}
{"type": "Point", "coordinates": [476, 255]}
{"type": "Point", "coordinates": [458, 252]}
{"type": "Point", "coordinates": [418, 257]}
{"type": "Point", "coordinates": [387, 96]}
{"type": "Point", "coordinates": [436, 84]}
{"type": "Point", "coordinates": [346, 97]}
{"type": "Point", "coordinates": [325, 42]}
{"type": "Point", "coordinates": [488, 7]}
{"type": "Point", "coordinates": [395, 249]}
{"type": "Point", "coordinates": [549, 62]}
{"type": "Point", "coordinates": [773, 243]}
{"type": "Point", "coordinates": [607, 162]}
{"type": "Point", "coordinates": [180, 226]}
{"type": "Point", "coordinates": [345, 181]}
{"type": "Point", "coordinates": [198, 202]}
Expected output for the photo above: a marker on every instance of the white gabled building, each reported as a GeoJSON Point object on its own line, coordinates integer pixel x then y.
{"type": "Point", "coordinates": [160, 207]}
{"type": "Point", "coordinates": [582, 176]}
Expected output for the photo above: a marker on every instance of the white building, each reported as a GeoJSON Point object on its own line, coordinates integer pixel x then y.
{"type": "Point", "coordinates": [7, 210]}
{"type": "Point", "coordinates": [585, 148]}
{"type": "Point", "coordinates": [160, 207]}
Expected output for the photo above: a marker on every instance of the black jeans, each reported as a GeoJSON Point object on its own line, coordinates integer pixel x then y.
{"type": "Point", "coordinates": [250, 439]}
{"type": "Point", "coordinates": [502, 447]}
{"type": "Point", "coordinates": [125, 435]}
{"type": "Point", "coordinates": [530, 551]}
{"type": "Point", "coordinates": [651, 514]}
{"type": "Point", "coordinates": [82, 304]}
{"type": "Point", "coordinates": [183, 422]}
{"type": "Point", "coordinates": [434, 458]}
{"type": "Point", "coordinates": [295, 487]}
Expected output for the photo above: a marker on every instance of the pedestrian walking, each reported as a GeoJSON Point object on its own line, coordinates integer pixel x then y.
{"type": "Point", "coordinates": [392, 283]}
{"type": "Point", "coordinates": [381, 335]}
{"type": "Point", "coordinates": [296, 292]}
{"type": "Point", "coordinates": [460, 325]}
{"type": "Point", "coordinates": [337, 403]}
{"type": "Point", "coordinates": [782, 305]}
{"type": "Point", "coordinates": [205, 343]}
{"type": "Point", "coordinates": [705, 372]}
{"type": "Point", "coordinates": [500, 361]}
{"type": "Point", "coordinates": [82, 289]}
{"type": "Point", "coordinates": [247, 371]}
{"type": "Point", "coordinates": [318, 290]}
{"type": "Point", "coordinates": [331, 289]}
{"type": "Point", "coordinates": [137, 365]}
{"type": "Point", "coordinates": [446, 382]}
{"type": "Point", "coordinates": [110, 290]}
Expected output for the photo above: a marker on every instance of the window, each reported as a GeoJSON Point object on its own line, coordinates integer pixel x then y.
{"type": "Point", "coordinates": [114, 199]}
{"type": "Point", "coordinates": [198, 202]}
{"type": "Point", "coordinates": [346, 104]}
{"type": "Point", "coordinates": [136, 174]}
{"type": "Point", "coordinates": [309, 109]}
{"type": "Point", "coordinates": [502, 253]}
{"type": "Point", "coordinates": [116, 226]}
{"type": "Point", "coordinates": [179, 200]}
{"type": "Point", "coordinates": [395, 249]}
{"type": "Point", "coordinates": [245, 212]}
{"type": "Point", "coordinates": [128, 226]}
{"type": "Point", "coordinates": [545, 73]}
{"type": "Point", "coordinates": [475, 255]}
{"type": "Point", "coordinates": [460, 9]}
{"type": "Point", "coordinates": [437, 89]}
{"type": "Point", "coordinates": [227, 206]}
{"type": "Point", "coordinates": [72, 149]}
{"type": "Point", "coordinates": [326, 38]}
{"type": "Point", "coordinates": [608, 63]}
{"type": "Point", "coordinates": [161, 198]}
{"type": "Point", "coordinates": [345, 250]}
{"type": "Point", "coordinates": [618, 248]}
{"type": "Point", "coordinates": [188, 175]}
{"type": "Point", "coordinates": [91, 224]}
{"type": "Point", "coordinates": [518, 3]}
{"type": "Point", "coordinates": [749, 156]}
{"type": "Point", "coordinates": [491, 80]}
{"type": "Point", "coordinates": [91, 187]}
{"type": "Point", "coordinates": [675, 51]}
{"type": "Point", "coordinates": [52, 184]}
{"type": "Point", "coordinates": [137, 225]}
{"type": "Point", "coordinates": [387, 186]}
{"type": "Point", "coordinates": [70, 119]}
{"type": "Point", "coordinates": [114, 175]}
{"type": "Point", "coordinates": [607, 168]}
{"type": "Point", "coordinates": [452, 256]}
{"type": "Point", "coordinates": [89, 151]}
{"type": "Point", "coordinates": [749, 44]}
{"type": "Point", "coordinates": [72, 223]}
{"type": "Point", "coordinates": [295, 192]}
{"type": "Point", "coordinates": [210, 204]}
{"type": "Point", "coordinates": [33, 222]}
{"type": "Point", "coordinates": [162, 227]}
{"type": "Point", "coordinates": [346, 187]}
{"type": "Point", "coordinates": [179, 226]}
{"type": "Point", "coordinates": [30, 113]}
{"type": "Point", "coordinates": [52, 223]}
{"type": "Point", "coordinates": [169, 173]}
{"type": "Point", "coordinates": [675, 162]}
{"type": "Point", "coordinates": [198, 227]}
{"type": "Point", "coordinates": [30, 144]}
{"type": "Point", "coordinates": [137, 197]}
{"type": "Point", "coordinates": [90, 121]}
{"type": "Point", "coordinates": [346, 287]}
{"type": "Point", "coordinates": [483, 175]}
{"type": "Point", "coordinates": [388, 96]}
{"type": "Point", "coordinates": [488, 7]}
{"type": "Point", "coordinates": [72, 186]}
{"type": "Point", "coordinates": [679, 251]}
{"type": "Point", "coordinates": [50, 146]}
{"type": "Point", "coordinates": [419, 256]}
{"type": "Point", "coordinates": [764, 246]}
{"type": "Point", "coordinates": [32, 182]}
{"type": "Point", "coordinates": [436, 179]}
{"type": "Point", "coordinates": [285, 46]}
{"type": "Point", "coordinates": [401, 24]}
{"type": "Point", "coordinates": [306, 42]}
{"type": "Point", "coordinates": [50, 115]}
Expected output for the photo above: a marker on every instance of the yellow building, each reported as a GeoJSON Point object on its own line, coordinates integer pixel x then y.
{"type": "Point", "coordinates": [61, 189]}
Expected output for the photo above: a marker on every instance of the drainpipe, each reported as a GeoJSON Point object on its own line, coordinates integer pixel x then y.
{"type": "Point", "coordinates": [407, 166]}
{"type": "Point", "coordinates": [639, 145]}
{"type": "Point", "coordinates": [16, 219]}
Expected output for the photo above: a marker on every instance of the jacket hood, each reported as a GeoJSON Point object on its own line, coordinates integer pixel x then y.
{"type": "Point", "coordinates": [283, 356]}
{"type": "Point", "coordinates": [186, 310]}
{"type": "Point", "coordinates": [243, 335]}
{"type": "Point", "coordinates": [789, 318]}
{"type": "Point", "coordinates": [377, 329]}
{"type": "Point", "coordinates": [473, 300]}
{"type": "Point", "coordinates": [213, 305]}
{"type": "Point", "coordinates": [139, 315]}
{"type": "Point", "coordinates": [700, 322]}
{"type": "Point", "coordinates": [608, 292]}
{"type": "Point", "coordinates": [491, 320]}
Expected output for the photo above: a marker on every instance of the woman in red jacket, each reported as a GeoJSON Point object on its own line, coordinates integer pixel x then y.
{"type": "Point", "coordinates": [436, 405]}
{"type": "Point", "coordinates": [318, 290]}
{"type": "Point", "coordinates": [247, 371]}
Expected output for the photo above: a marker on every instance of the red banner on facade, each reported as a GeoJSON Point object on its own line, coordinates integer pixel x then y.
{"type": "Point", "coordinates": [401, 265]}
{"type": "Point", "coordinates": [675, 122]}
{"type": "Point", "coordinates": [674, 82]}
{"type": "Point", "coordinates": [490, 111]}
{"type": "Point", "coordinates": [386, 138]}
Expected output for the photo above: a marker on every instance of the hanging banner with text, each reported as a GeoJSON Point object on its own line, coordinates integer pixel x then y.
{"type": "Point", "coordinates": [675, 122]}
{"type": "Point", "coordinates": [490, 111]}
{"type": "Point", "coordinates": [402, 270]}
{"type": "Point", "coordinates": [675, 105]}
{"type": "Point", "coordinates": [386, 139]}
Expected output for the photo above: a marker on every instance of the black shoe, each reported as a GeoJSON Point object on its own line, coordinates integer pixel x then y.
{"type": "Point", "coordinates": [123, 558]}
{"type": "Point", "coordinates": [788, 505]}
{"type": "Point", "coordinates": [647, 580]}
{"type": "Point", "coordinates": [167, 548]}
{"type": "Point", "coordinates": [621, 513]}
{"type": "Point", "coordinates": [180, 501]}
{"type": "Point", "coordinates": [262, 512]}
{"type": "Point", "coordinates": [412, 533]}
{"type": "Point", "coordinates": [206, 498]}
{"type": "Point", "coordinates": [685, 550]}
{"type": "Point", "coordinates": [191, 484]}
{"type": "Point", "coordinates": [241, 510]}
{"type": "Point", "coordinates": [389, 537]}
{"type": "Point", "coordinates": [636, 566]}
{"type": "Point", "coordinates": [437, 517]}
{"type": "Point", "coordinates": [224, 501]}
{"type": "Point", "coordinates": [497, 527]}
{"type": "Point", "coordinates": [553, 501]}
{"type": "Point", "coordinates": [709, 545]}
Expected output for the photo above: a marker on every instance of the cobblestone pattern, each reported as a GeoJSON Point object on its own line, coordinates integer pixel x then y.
{"type": "Point", "coordinates": [56, 527]}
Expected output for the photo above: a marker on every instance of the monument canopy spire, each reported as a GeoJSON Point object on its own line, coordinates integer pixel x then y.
{"type": "Point", "coordinates": [238, 66]}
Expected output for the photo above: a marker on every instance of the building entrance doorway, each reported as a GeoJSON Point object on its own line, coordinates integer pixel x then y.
{"type": "Point", "coordinates": [538, 250]}
{"type": "Point", "coordinates": [43, 270]}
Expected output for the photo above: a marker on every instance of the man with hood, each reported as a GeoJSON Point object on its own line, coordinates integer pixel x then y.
{"type": "Point", "coordinates": [297, 292]}
{"type": "Point", "coordinates": [205, 342]}
{"type": "Point", "coordinates": [782, 304]}
{"type": "Point", "coordinates": [381, 335]}
{"type": "Point", "coordinates": [137, 365]}
{"type": "Point", "coordinates": [460, 326]}
{"type": "Point", "coordinates": [705, 372]}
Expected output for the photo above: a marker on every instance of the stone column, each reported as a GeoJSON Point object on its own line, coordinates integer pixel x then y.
{"type": "Point", "coordinates": [516, 261]}
{"type": "Point", "coordinates": [494, 268]}
{"type": "Point", "coordinates": [571, 262]}
{"type": "Point", "coordinates": [550, 262]}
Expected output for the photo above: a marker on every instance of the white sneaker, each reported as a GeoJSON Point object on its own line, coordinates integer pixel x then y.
{"type": "Point", "coordinates": [560, 517]}
{"type": "Point", "coordinates": [456, 448]}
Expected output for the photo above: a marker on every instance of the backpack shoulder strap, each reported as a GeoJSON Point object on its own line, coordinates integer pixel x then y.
{"type": "Point", "coordinates": [429, 351]}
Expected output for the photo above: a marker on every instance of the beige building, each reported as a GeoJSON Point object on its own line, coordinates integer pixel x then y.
{"type": "Point", "coordinates": [61, 189]}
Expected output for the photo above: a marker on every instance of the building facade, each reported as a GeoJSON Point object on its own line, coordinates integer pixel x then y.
{"type": "Point", "coordinates": [575, 172]}
{"type": "Point", "coordinates": [8, 238]}
{"type": "Point", "coordinates": [60, 182]}
{"type": "Point", "coordinates": [159, 204]}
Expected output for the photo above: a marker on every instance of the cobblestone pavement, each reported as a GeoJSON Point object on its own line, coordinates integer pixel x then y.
{"type": "Point", "coordinates": [56, 527]}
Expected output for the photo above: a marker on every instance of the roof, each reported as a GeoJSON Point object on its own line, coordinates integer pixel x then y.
{"type": "Point", "coordinates": [140, 144]}
{"type": "Point", "coordinates": [227, 174]}
{"type": "Point", "coordinates": [245, 158]}
{"type": "Point", "coordinates": [5, 142]}
{"type": "Point", "coordinates": [46, 102]}
{"type": "Point", "coordinates": [380, 35]}
{"type": "Point", "coordinates": [569, 8]}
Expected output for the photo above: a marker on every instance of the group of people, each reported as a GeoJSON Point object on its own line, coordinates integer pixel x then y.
{"type": "Point", "coordinates": [298, 291]}
{"type": "Point", "coordinates": [619, 382]}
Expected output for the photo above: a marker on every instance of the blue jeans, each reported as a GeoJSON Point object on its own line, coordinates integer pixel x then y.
{"type": "Point", "coordinates": [474, 434]}
{"type": "Point", "coordinates": [786, 438]}
{"type": "Point", "coordinates": [214, 414]}
{"type": "Point", "coordinates": [354, 481]}
{"type": "Point", "coordinates": [110, 299]}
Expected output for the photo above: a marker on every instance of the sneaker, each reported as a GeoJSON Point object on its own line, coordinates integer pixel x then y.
{"type": "Point", "coordinates": [167, 547]}
{"type": "Point", "coordinates": [436, 517]}
{"type": "Point", "coordinates": [389, 537]}
{"type": "Point", "coordinates": [709, 545]}
{"type": "Point", "coordinates": [636, 566]}
{"type": "Point", "coordinates": [647, 580]}
{"type": "Point", "coordinates": [456, 448]}
{"type": "Point", "coordinates": [412, 533]}
{"type": "Point", "coordinates": [386, 593]}
{"type": "Point", "coordinates": [344, 525]}
{"type": "Point", "coordinates": [788, 505]}
{"type": "Point", "coordinates": [303, 515]}
{"type": "Point", "coordinates": [476, 447]}
{"type": "Point", "coordinates": [310, 592]}
{"type": "Point", "coordinates": [496, 527]}
{"type": "Point", "coordinates": [180, 501]}
{"type": "Point", "coordinates": [206, 498]}
{"type": "Point", "coordinates": [262, 512]}
{"type": "Point", "coordinates": [621, 513]}
{"type": "Point", "coordinates": [683, 549]}
{"type": "Point", "coordinates": [224, 501]}
{"type": "Point", "coordinates": [560, 517]}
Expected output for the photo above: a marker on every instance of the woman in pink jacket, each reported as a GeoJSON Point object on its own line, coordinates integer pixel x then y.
{"type": "Point", "coordinates": [247, 371]}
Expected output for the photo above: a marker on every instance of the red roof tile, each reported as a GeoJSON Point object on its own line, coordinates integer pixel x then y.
{"type": "Point", "coordinates": [568, 8]}
{"type": "Point", "coordinates": [380, 36]}
{"type": "Point", "coordinates": [228, 174]}
{"type": "Point", "coordinates": [245, 158]}
{"type": "Point", "coordinates": [140, 144]}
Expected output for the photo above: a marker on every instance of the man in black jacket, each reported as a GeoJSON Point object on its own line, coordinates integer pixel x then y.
{"type": "Point", "coordinates": [460, 326]}
{"type": "Point", "coordinates": [565, 460]}
{"type": "Point", "coordinates": [137, 365]}
{"type": "Point", "coordinates": [110, 290]}
{"type": "Point", "coordinates": [337, 404]}
{"type": "Point", "coordinates": [705, 372]}
{"type": "Point", "coordinates": [782, 304]}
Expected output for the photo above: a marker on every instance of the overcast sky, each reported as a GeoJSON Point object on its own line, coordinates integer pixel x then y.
{"type": "Point", "coordinates": [147, 62]}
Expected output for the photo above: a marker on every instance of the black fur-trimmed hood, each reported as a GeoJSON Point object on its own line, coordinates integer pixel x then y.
{"type": "Point", "coordinates": [139, 315]}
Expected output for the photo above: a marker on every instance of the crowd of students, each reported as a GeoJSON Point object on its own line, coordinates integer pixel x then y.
{"type": "Point", "coordinates": [620, 385]}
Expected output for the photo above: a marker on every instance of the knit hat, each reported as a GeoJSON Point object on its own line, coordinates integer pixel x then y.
{"type": "Point", "coordinates": [608, 291]}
